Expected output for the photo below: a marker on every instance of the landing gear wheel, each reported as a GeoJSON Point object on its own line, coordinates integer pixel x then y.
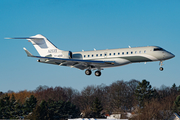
{"type": "Point", "coordinates": [161, 68]}
{"type": "Point", "coordinates": [98, 73]}
{"type": "Point", "coordinates": [88, 72]}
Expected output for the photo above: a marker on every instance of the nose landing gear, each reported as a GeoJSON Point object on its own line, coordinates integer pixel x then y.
{"type": "Point", "coordinates": [161, 64]}
{"type": "Point", "coordinates": [161, 68]}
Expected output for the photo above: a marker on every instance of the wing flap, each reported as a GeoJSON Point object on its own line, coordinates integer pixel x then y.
{"type": "Point", "coordinates": [77, 60]}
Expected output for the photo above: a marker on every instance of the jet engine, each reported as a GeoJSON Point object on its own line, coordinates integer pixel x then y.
{"type": "Point", "coordinates": [67, 54]}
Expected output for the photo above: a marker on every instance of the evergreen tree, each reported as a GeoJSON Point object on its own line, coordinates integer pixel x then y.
{"type": "Point", "coordinates": [29, 104]}
{"type": "Point", "coordinates": [176, 106]}
{"type": "Point", "coordinates": [41, 112]}
{"type": "Point", "coordinates": [70, 110]}
{"type": "Point", "coordinates": [6, 107]}
{"type": "Point", "coordinates": [36, 114]}
{"type": "Point", "coordinates": [2, 104]}
{"type": "Point", "coordinates": [144, 92]}
{"type": "Point", "coordinates": [62, 110]}
{"type": "Point", "coordinates": [174, 89]}
{"type": "Point", "coordinates": [173, 86]}
{"type": "Point", "coordinates": [12, 107]}
{"type": "Point", "coordinates": [44, 111]}
{"type": "Point", "coordinates": [96, 108]}
{"type": "Point", "coordinates": [18, 108]}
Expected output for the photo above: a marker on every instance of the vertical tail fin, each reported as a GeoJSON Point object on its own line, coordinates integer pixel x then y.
{"type": "Point", "coordinates": [43, 45]}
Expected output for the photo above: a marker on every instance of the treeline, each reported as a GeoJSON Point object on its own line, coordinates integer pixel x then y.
{"type": "Point", "coordinates": [139, 98]}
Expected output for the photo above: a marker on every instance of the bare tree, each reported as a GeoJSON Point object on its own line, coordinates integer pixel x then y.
{"type": "Point", "coordinates": [71, 93]}
{"type": "Point", "coordinates": [132, 101]}
{"type": "Point", "coordinates": [55, 94]}
{"type": "Point", "coordinates": [155, 109]}
{"type": "Point", "coordinates": [86, 99]}
{"type": "Point", "coordinates": [119, 93]}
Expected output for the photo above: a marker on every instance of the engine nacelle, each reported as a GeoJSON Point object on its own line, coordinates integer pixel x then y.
{"type": "Point", "coordinates": [67, 54]}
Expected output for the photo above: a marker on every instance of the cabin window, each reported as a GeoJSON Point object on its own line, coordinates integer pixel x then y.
{"type": "Point", "coordinates": [118, 53]}
{"type": "Point", "coordinates": [92, 55]}
{"type": "Point", "coordinates": [100, 54]}
{"type": "Point", "coordinates": [105, 54]}
{"type": "Point", "coordinates": [122, 53]}
{"type": "Point", "coordinates": [114, 53]}
{"type": "Point", "coordinates": [139, 51]}
{"type": "Point", "coordinates": [126, 52]}
{"type": "Point", "coordinates": [110, 54]}
{"type": "Point", "coordinates": [145, 51]}
{"type": "Point", "coordinates": [96, 55]}
{"type": "Point", "coordinates": [135, 52]}
{"type": "Point", "coordinates": [84, 55]}
{"type": "Point", "coordinates": [88, 55]}
{"type": "Point", "coordinates": [131, 52]}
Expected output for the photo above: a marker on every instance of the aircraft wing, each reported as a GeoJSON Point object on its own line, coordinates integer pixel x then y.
{"type": "Point", "coordinates": [76, 63]}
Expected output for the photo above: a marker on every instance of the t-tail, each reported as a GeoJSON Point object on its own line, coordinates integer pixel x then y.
{"type": "Point", "coordinates": [45, 48]}
{"type": "Point", "coordinates": [43, 45]}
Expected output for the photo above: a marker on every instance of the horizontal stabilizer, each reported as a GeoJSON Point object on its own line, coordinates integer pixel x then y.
{"type": "Point", "coordinates": [24, 38]}
{"type": "Point", "coordinates": [28, 53]}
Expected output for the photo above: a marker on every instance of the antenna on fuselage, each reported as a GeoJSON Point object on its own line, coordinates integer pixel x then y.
{"type": "Point", "coordinates": [129, 46]}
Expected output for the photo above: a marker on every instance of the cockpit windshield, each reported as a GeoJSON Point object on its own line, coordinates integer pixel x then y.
{"type": "Point", "coordinates": [158, 49]}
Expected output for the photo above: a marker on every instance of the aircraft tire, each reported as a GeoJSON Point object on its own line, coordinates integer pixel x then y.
{"type": "Point", "coordinates": [161, 68]}
{"type": "Point", "coordinates": [98, 73]}
{"type": "Point", "coordinates": [88, 72]}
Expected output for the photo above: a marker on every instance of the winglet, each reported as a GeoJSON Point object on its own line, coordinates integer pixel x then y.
{"type": "Point", "coordinates": [28, 53]}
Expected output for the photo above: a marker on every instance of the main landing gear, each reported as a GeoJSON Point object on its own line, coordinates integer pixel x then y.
{"type": "Point", "coordinates": [161, 64]}
{"type": "Point", "coordinates": [97, 73]}
{"type": "Point", "coordinates": [88, 72]}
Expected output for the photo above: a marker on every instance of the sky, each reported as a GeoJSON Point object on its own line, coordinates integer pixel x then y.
{"type": "Point", "coordinates": [76, 25]}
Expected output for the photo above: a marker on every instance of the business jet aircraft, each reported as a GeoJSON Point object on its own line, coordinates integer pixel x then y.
{"type": "Point", "coordinates": [97, 59]}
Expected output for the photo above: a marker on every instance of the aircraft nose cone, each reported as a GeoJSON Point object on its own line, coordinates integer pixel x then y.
{"type": "Point", "coordinates": [171, 55]}
{"type": "Point", "coordinates": [168, 55]}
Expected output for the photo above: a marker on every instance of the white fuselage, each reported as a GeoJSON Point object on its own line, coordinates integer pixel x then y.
{"type": "Point", "coordinates": [125, 56]}
{"type": "Point", "coordinates": [97, 59]}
